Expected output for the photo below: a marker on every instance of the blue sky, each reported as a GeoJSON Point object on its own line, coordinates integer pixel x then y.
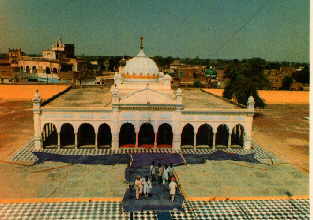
{"type": "Point", "coordinates": [276, 30]}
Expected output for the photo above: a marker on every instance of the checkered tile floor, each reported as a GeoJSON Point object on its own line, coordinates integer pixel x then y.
{"type": "Point", "coordinates": [25, 153]}
{"type": "Point", "coordinates": [203, 210]}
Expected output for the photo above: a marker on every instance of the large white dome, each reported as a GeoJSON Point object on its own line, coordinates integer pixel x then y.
{"type": "Point", "coordinates": [141, 65]}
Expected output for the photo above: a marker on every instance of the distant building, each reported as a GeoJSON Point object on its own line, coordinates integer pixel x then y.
{"type": "Point", "coordinates": [276, 76]}
{"type": "Point", "coordinates": [60, 58]}
{"type": "Point", "coordinates": [6, 75]}
{"type": "Point", "coordinates": [14, 56]}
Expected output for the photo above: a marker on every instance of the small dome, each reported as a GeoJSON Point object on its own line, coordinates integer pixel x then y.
{"type": "Point", "coordinates": [141, 65]}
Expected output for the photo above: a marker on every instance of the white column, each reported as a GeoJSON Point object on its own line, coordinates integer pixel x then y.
{"type": "Point", "coordinates": [214, 138]}
{"type": "Point", "coordinates": [36, 116]}
{"type": "Point", "coordinates": [176, 141]}
{"type": "Point", "coordinates": [115, 141]}
{"type": "Point", "coordinates": [229, 139]}
{"type": "Point", "coordinates": [76, 140]}
{"type": "Point", "coordinates": [194, 140]}
{"type": "Point", "coordinates": [59, 140]}
{"type": "Point", "coordinates": [247, 143]}
{"type": "Point", "coordinates": [96, 141]}
{"type": "Point", "coordinates": [155, 140]}
{"type": "Point", "coordinates": [137, 139]}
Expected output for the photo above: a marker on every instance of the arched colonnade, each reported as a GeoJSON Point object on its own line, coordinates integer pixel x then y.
{"type": "Point", "coordinates": [145, 136]}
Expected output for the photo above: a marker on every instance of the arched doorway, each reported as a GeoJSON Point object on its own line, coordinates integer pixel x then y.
{"type": "Point", "coordinates": [127, 135]}
{"type": "Point", "coordinates": [48, 70]}
{"type": "Point", "coordinates": [27, 69]}
{"type": "Point", "coordinates": [86, 135]}
{"type": "Point", "coordinates": [34, 69]}
{"type": "Point", "coordinates": [54, 70]}
{"type": "Point", "coordinates": [67, 136]}
{"type": "Point", "coordinates": [165, 135]}
{"type": "Point", "coordinates": [49, 135]}
{"type": "Point", "coordinates": [146, 135]}
{"type": "Point", "coordinates": [187, 135]}
{"type": "Point", "coordinates": [237, 137]}
{"type": "Point", "coordinates": [104, 136]}
{"type": "Point", "coordinates": [222, 135]}
{"type": "Point", "coordinates": [205, 135]}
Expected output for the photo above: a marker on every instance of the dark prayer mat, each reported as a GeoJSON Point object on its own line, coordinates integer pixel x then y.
{"type": "Point", "coordinates": [83, 159]}
{"type": "Point", "coordinates": [219, 155]}
{"type": "Point", "coordinates": [145, 159]}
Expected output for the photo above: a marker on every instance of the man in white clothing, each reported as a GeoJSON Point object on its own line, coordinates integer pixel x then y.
{"type": "Point", "coordinates": [172, 186]}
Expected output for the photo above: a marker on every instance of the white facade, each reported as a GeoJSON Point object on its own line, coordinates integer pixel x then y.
{"type": "Point", "coordinates": [142, 101]}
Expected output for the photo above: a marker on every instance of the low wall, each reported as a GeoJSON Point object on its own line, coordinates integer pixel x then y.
{"type": "Point", "coordinates": [26, 92]}
{"type": "Point", "coordinates": [275, 96]}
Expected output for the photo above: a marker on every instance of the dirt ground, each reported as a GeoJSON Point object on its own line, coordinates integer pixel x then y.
{"type": "Point", "coordinates": [16, 127]}
{"type": "Point", "coordinates": [281, 127]}
{"type": "Point", "coordinates": [284, 130]}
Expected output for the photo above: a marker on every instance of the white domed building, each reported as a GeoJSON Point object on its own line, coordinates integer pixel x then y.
{"type": "Point", "coordinates": [140, 110]}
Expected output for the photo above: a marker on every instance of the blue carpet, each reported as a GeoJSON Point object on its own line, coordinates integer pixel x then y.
{"type": "Point", "coordinates": [146, 159]}
{"type": "Point", "coordinates": [164, 216]}
{"type": "Point", "coordinates": [83, 159]}
{"type": "Point", "coordinates": [219, 155]}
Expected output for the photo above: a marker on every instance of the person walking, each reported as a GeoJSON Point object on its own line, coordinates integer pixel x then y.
{"type": "Point", "coordinates": [170, 172]}
{"type": "Point", "coordinates": [172, 187]}
{"type": "Point", "coordinates": [165, 174]}
{"type": "Point", "coordinates": [160, 173]}
{"type": "Point", "coordinates": [152, 171]}
{"type": "Point", "coordinates": [138, 187]}
{"type": "Point", "coordinates": [147, 186]}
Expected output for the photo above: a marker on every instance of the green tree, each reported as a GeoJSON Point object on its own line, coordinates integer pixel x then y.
{"type": "Point", "coordinates": [197, 83]}
{"type": "Point", "coordinates": [287, 81]}
{"type": "Point", "coordinates": [245, 79]}
{"type": "Point", "coordinates": [302, 76]}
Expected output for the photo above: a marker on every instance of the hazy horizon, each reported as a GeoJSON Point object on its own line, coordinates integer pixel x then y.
{"type": "Point", "coordinates": [217, 29]}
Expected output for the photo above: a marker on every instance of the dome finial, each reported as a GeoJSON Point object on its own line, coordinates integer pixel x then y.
{"type": "Point", "coordinates": [141, 42]}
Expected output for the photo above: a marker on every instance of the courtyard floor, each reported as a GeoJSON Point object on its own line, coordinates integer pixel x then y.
{"type": "Point", "coordinates": [241, 179]}
{"type": "Point", "coordinates": [288, 140]}
{"type": "Point", "coordinates": [193, 210]}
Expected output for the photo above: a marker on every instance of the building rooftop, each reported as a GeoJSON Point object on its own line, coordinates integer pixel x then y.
{"type": "Point", "coordinates": [197, 99]}
{"type": "Point", "coordinates": [83, 97]}
{"type": "Point", "coordinates": [193, 99]}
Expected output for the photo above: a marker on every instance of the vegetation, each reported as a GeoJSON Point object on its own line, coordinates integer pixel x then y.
{"type": "Point", "coordinates": [197, 83]}
{"type": "Point", "coordinates": [245, 78]}
{"type": "Point", "coordinates": [287, 81]}
{"type": "Point", "coordinates": [302, 76]}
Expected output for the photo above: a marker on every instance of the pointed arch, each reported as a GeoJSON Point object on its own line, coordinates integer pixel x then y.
{"type": "Point", "coordinates": [67, 135]}
{"type": "Point", "coordinates": [104, 136]}
{"type": "Point", "coordinates": [237, 137]}
{"type": "Point", "coordinates": [187, 135]}
{"type": "Point", "coordinates": [204, 135]}
{"type": "Point", "coordinates": [165, 135]}
{"type": "Point", "coordinates": [127, 135]}
{"type": "Point", "coordinates": [86, 135]}
{"type": "Point", "coordinates": [222, 135]}
{"type": "Point", "coordinates": [146, 135]}
{"type": "Point", "coordinates": [49, 135]}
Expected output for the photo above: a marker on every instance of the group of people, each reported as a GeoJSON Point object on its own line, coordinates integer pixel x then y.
{"type": "Point", "coordinates": [143, 186]}
{"type": "Point", "coordinates": [160, 174]}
